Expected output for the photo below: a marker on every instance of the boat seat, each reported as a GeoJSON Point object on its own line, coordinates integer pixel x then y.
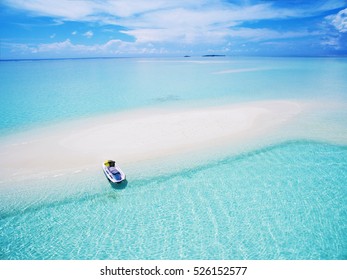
{"type": "Point", "coordinates": [113, 169]}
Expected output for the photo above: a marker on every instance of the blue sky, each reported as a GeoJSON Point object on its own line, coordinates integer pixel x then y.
{"type": "Point", "coordinates": [108, 28]}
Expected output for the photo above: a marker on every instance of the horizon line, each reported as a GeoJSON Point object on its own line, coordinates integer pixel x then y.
{"type": "Point", "coordinates": [173, 56]}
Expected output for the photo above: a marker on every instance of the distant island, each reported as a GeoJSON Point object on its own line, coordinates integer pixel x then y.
{"type": "Point", "coordinates": [213, 55]}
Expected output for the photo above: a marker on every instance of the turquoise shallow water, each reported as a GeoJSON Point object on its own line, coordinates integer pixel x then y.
{"type": "Point", "coordinates": [286, 200]}
{"type": "Point", "coordinates": [35, 93]}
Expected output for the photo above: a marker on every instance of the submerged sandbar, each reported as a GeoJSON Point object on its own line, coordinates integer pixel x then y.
{"type": "Point", "coordinates": [139, 135]}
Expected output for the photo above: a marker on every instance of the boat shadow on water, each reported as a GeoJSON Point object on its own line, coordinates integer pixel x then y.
{"type": "Point", "coordinates": [119, 186]}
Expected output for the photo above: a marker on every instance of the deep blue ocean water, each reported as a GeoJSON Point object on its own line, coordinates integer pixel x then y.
{"type": "Point", "coordinates": [285, 200]}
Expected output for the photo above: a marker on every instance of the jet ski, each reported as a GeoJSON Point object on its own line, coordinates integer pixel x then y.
{"type": "Point", "coordinates": [113, 172]}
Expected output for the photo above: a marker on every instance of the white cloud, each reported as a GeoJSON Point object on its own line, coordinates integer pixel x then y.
{"type": "Point", "coordinates": [180, 22]}
{"type": "Point", "coordinates": [144, 44]}
{"type": "Point", "coordinates": [52, 36]}
{"type": "Point", "coordinates": [65, 9]}
{"type": "Point", "coordinates": [262, 34]}
{"type": "Point", "coordinates": [339, 21]}
{"type": "Point", "coordinates": [92, 9]}
{"type": "Point", "coordinates": [187, 21]}
{"type": "Point", "coordinates": [17, 48]}
{"type": "Point", "coordinates": [331, 42]}
{"type": "Point", "coordinates": [213, 37]}
{"type": "Point", "coordinates": [95, 10]}
{"type": "Point", "coordinates": [54, 47]}
{"type": "Point", "coordinates": [213, 25]}
{"type": "Point", "coordinates": [88, 34]}
{"type": "Point", "coordinates": [112, 47]}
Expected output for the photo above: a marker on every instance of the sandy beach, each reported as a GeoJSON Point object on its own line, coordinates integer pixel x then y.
{"type": "Point", "coordinates": [137, 136]}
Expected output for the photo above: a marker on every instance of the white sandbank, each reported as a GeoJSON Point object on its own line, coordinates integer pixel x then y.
{"type": "Point", "coordinates": [137, 136]}
{"type": "Point", "coordinates": [228, 71]}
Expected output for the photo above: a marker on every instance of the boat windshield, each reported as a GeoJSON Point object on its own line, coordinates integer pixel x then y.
{"type": "Point", "coordinates": [113, 170]}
